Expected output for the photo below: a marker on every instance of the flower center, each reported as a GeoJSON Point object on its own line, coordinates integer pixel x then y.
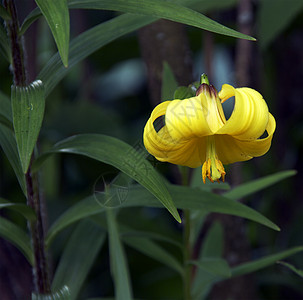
{"type": "Point", "coordinates": [212, 168]}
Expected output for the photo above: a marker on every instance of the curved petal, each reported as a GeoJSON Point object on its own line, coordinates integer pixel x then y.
{"type": "Point", "coordinates": [185, 119]}
{"type": "Point", "coordinates": [230, 149]}
{"type": "Point", "coordinates": [161, 145]}
{"type": "Point", "coordinates": [250, 115]}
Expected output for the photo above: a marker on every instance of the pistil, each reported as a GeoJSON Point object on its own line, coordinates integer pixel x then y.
{"type": "Point", "coordinates": [212, 168]}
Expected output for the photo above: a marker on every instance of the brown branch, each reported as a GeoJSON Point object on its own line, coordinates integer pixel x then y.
{"type": "Point", "coordinates": [165, 41]}
{"type": "Point", "coordinates": [41, 280]}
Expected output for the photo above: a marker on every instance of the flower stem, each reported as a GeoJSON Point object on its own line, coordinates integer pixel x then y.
{"type": "Point", "coordinates": [186, 243]}
{"type": "Point", "coordinates": [186, 255]}
{"type": "Point", "coordinates": [41, 280]}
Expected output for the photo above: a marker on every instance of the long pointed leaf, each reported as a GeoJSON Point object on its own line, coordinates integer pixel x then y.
{"type": "Point", "coordinates": [118, 261]}
{"type": "Point", "coordinates": [254, 186]}
{"type": "Point", "coordinates": [28, 110]}
{"type": "Point", "coordinates": [23, 209]}
{"type": "Point", "coordinates": [214, 266]}
{"type": "Point", "coordinates": [4, 14]}
{"type": "Point", "coordinates": [76, 262]}
{"type": "Point", "coordinates": [184, 197]}
{"type": "Point", "coordinates": [87, 43]}
{"type": "Point", "coordinates": [62, 294]}
{"type": "Point", "coordinates": [6, 108]}
{"type": "Point", "coordinates": [5, 48]}
{"type": "Point", "coordinates": [122, 156]}
{"type": "Point", "coordinates": [17, 237]}
{"type": "Point", "coordinates": [9, 146]}
{"type": "Point", "coordinates": [160, 9]}
{"type": "Point", "coordinates": [153, 250]}
{"type": "Point", "coordinates": [292, 268]}
{"type": "Point", "coordinates": [263, 262]}
{"type": "Point", "coordinates": [57, 16]}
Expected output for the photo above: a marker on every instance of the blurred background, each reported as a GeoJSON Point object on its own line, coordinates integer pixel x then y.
{"type": "Point", "coordinates": [114, 91]}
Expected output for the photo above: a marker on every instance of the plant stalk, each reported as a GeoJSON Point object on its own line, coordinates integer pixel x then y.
{"type": "Point", "coordinates": [186, 243]}
{"type": "Point", "coordinates": [41, 280]}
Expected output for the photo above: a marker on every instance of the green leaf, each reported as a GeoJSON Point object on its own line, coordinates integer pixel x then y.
{"type": "Point", "coordinates": [81, 210]}
{"type": "Point", "coordinates": [153, 250]}
{"type": "Point", "coordinates": [184, 197]}
{"type": "Point", "coordinates": [169, 83]}
{"type": "Point", "coordinates": [4, 14]}
{"type": "Point", "coordinates": [184, 92]}
{"type": "Point", "coordinates": [160, 9]}
{"type": "Point", "coordinates": [122, 156]}
{"type": "Point", "coordinates": [5, 48]}
{"type": "Point", "coordinates": [78, 257]}
{"type": "Point", "coordinates": [17, 237]}
{"type": "Point", "coordinates": [213, 243]}
{"type": "Point", "coordinates": [91, 40]}
{"type": "Point", "coordinates": [274, 17]}
{"type": "Point", "coordinates": [194, 4]}
{"type": "Point", "coordinates": [215, 266]}
{"type": "Point", "coordinates": [23, 209]}
{"type": "Point", "coordinates": [212, 248]}
{"type": "Point", "coordinates": [28, 110]}
{"type": "Point", "coordinates": [254, 186]}
{"type": "Point", "coordinates": [126, 233]}
{"type": "Point", "coordinates": [291, 267]}
{"type": "Point", "coordinates": [57, 16]}
{"type": "Point", "coordinates": [62, 294]}
{"type": "Point", "coordinates": [6, 116]}
{"type": "Point", "coordinates": [87, 43]}
{"type": "Point", "coordinates": [9, 146]}
{"type": "Point", "coordinates": [118, 262]}
{"type": "Point", "coordinates": [263, 262]}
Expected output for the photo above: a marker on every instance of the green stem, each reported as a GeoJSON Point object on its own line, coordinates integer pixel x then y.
{"type": "Point", "coordinates": [40, 270]}
{"type": "Point", "coordinates": [186, 243]}
{"type": "Point", "coordinates": [187, 255]}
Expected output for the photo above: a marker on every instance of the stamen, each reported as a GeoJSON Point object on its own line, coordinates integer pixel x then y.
{"type": "Point", "coordinates": [212, 168]}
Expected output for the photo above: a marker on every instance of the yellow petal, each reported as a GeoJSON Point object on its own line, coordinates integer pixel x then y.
{"type": "Point", "coordinates": [185, 119]}
{"type": "Point", "coordinates": [165, 148]}
{"type": "Point", "coordinates": [250, 115]}
{"type": "Point", "coordinates": [231, 149]}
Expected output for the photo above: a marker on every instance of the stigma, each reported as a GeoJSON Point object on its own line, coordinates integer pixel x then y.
{"type": "Point", "coordinates": [212, 168]}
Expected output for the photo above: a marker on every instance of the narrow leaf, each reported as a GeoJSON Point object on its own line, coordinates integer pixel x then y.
{"type": "Point", "coordinates": [292, 268]}
{"type": "Point", "coordinates": [57, 16]}
{"type": "Point", "coordinates": [9, 146]}
{"type": "Point", "coordinates": [160, 9]}
{"type": "Point", "coordinates": [254, 186]}
{"type": "Point", "coordinates": [122, 156]}
{"type": "Point", "coordinates": [183, 92]}
{"type": "Point", "coordinates": [6, 109]}
{"type": "Point", "coordinates": [213, 243]}
{"type": "Point", "coordinates": [118, 263]}
{"type": "Point", "coordinates": [169, 83]}
{"type": "Point", "coordinates": [263, 262]}
{"type": "Point", "coordinates": [5, 48]}
{"type": "Point", "coordinates": [214, 266]}
{"type": "Point", "coordinates": [274, 16]}
{"type": "Point", "coordinates": [62, 294]}
{"type": "Point", "coordinates": [17, 237]}
{"type": "Point", "coordinates": [4, 14]}
{"type": "Point", "coordinates": [28, 110]}
{"type": "Point", "coordinates": [78, 257]}
{"type": "Point", "coordinates": [23, 209]}
{"type": "Point", "coordinates": [184, 198]}
{"type": "Point", "coordinates": [153, 250]}
{"type": "Point", "coordinates": [87, 43]}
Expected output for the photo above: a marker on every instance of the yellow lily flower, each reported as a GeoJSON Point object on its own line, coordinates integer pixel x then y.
{"type": "Point", "coordinates": [197, 133]}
